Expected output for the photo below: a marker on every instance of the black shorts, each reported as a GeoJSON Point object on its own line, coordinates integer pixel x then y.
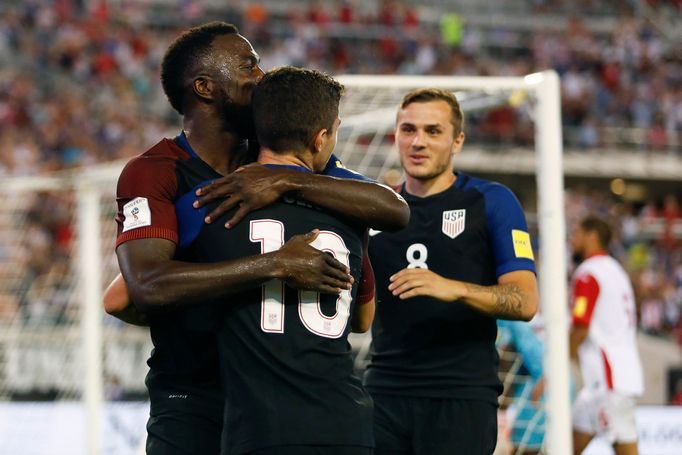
{"type": "Point", "coordinates": [182, 423]}
{"type": "Point", "coordinates": [433, 426]}
{"type": "Point", "coordinates": [314, 450]}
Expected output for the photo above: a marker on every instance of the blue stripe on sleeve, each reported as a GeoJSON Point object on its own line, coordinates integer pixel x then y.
{"type": "Point", "coordinates": [504, 214]}
{"type": "Point", "coordinates": [190, 220]}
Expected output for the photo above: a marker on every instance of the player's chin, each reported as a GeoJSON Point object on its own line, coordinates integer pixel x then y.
{"type": "Point", "coordinates": [419, 172]}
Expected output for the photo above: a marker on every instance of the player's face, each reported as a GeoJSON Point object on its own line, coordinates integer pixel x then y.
{"type": "Point", "coordinates": [238, 72]}
{"type": "Point", "coordinates": [236, 65]}
{"type": "Point", "coordinates": [578, 243]}
{"type": "Point", "coordinates": [426, 139]}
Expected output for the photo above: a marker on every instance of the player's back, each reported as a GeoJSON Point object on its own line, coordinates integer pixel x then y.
{"type": "Point", "coordinates": [286, 362]}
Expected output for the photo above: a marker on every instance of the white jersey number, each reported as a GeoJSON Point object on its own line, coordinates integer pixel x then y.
{"type": "Point", "coordinates": [270, 235]}
{"type": "Point", "coordinates": [416, 255]}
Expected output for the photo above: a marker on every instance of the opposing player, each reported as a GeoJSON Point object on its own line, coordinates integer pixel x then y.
{"type": "Point", "coordinates": [464, 260]}
{"type": "Point", "coordinates": [286, 362]}
{"type": "Point", "coordinates": [208, 74]}
{"type": "Point", "coordinates": [604, 340]}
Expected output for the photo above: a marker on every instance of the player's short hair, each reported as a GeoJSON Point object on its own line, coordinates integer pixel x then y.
{"type": "Point", "coordinates": [600, 226]}
{"type": "Point", "coordinates": [185, 54]}
{"type": "Point", "coordinates": [291, 105]}
{"type": "Point", "coordinates": [425, 95]}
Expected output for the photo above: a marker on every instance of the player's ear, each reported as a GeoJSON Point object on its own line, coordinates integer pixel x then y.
{"type": "Point", "coordinates": [458, 143]}
{"type": "Point", "coordinates": [320, 139]}
{"type": "Point", "coordinates": [203, 87]}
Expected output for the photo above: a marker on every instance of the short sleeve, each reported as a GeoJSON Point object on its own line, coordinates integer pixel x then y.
{"type": "Point", "coordinates": [145, 197]}
{"type": "Point", "coordinates": [585, 294]}
{"type": "Point", "coordinates": [335, 168]}
{"type": "Point", "coordinates": [508, 230]}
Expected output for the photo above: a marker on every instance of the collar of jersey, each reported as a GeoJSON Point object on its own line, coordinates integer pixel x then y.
{"type": "Point", "coordinates": [289, 166]}
{"type": "Point", "coordinates": [181, 140]}
{"type": "Point", "coordinates": [459, 184]}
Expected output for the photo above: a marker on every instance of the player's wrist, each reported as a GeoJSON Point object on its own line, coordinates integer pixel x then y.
{"type": "Point", "coordinates": [274, 266]}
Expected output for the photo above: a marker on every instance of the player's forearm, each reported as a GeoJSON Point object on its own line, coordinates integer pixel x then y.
{"type": "Point", "coordinates": [363, 317]}
{"type": "Point", "coordinates": [501, 301]}
{"type": "Point", "coordinates": [576, 338]}
{"type": "Point", "coordinates": [172, 283]}
{"type": "Point", "coordinates": [370, 204]}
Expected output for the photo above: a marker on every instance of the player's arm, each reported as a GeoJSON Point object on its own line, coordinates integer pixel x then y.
{"type": "Point", "coordinates": [117, 303]}
{"type": "Point", "coordinates": [256, 186]}
{"type": "Point", "coordinates": [155, 280]}
{"type": "Point", "coordinates": [148, 235]}
{"type": "Point", "coordinates": [585, 295]}
{"type": "Point", "coordinates": [576, 338]}
{"type": "Point", "coordinates": [363, 313]}
{"type": "Point", "coordinates": [514, 297]}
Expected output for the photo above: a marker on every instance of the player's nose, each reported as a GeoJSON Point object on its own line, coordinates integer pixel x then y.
{"type": "Point", "coordinates": [418, 140]}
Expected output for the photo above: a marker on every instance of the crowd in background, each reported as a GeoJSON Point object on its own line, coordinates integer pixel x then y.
{"type": "Point", "coordinates": [80, 87]}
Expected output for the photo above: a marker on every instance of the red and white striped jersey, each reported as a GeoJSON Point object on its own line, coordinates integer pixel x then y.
{"type": "Point", "coordinates": [605, 303]}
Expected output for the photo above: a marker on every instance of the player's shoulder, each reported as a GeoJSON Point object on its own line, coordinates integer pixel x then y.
{"type": "Point", "coordinates": [335, 168]}
{"type": "Point", "coordinates": [488, 188]}
{"type": "Point", "coordinates": [153, 170]}
{"type": "Point", "coordinates": [161, 156]}
{"type": "Point", "coordinates": [600, 264]}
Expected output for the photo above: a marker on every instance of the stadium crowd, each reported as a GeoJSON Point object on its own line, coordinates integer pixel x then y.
{"type": "Point", "coordinates": [81, 88]}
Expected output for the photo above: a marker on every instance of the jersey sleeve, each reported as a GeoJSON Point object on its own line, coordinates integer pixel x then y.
{"type": "Point", "coordinates": [366, 288]}
{"type": "Point", "coordinates": [585, 294]}
{"type": "Point", "coordinates": [145, 197]}
{"type": "Point", "coordinates": [509, 231]}
{"type": "Point", "coordinates": [335, 168]}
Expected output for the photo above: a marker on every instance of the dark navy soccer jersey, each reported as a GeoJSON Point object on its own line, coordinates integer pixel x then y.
{"type": "Point", "coordinates": [148, 192]}
{"type": "Point", "coordinates": [285, 358]}
{"type": "Point", "coordinates": [185, 353]}
{"type": "Point", "coordinates": [475, 231]}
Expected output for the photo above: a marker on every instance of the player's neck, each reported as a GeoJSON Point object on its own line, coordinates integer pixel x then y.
{"type": "Point", "coordinates": [429, 187]}
{"type": "Point", "coordinates": [212, 143]}
{"type": "Point", "coordinates": [267, 156]}
{"type": "Point", "coordinates": [594, 251]}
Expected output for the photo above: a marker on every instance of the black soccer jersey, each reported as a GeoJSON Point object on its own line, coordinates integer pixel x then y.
{"type": "Point", "coordinates": [474, 231]}
{"type": "Point", "coordinates": [285, 359]}
{"type": "Point", "coordinates": [185, 354]}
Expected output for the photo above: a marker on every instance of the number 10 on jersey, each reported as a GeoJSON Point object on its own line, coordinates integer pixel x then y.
{"type": "Point", "coordinates": [270, 235]}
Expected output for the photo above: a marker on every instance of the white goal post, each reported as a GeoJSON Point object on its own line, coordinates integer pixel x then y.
{"type": "Point", "coordinates": [97, 347]}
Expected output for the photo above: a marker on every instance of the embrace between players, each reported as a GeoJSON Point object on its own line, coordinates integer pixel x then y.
{"type": "Point", "coordinates": [251, 277]}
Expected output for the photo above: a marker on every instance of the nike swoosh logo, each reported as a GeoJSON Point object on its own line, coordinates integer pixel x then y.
{"type": "Point", "coordinates": [373, 232]}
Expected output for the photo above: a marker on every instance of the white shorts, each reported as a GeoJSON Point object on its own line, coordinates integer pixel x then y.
{"type": "Point", "coordinates": [608, 414]}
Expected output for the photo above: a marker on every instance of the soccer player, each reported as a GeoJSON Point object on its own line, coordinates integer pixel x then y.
{"type": "Point", "coordinates": [208, 74]}
{"type": "Point", "coordinates": [286, 361]}
{"type": "Point", "coordinates": [464, 260]}
{"type": "Point", "coordinates": [603, 338]}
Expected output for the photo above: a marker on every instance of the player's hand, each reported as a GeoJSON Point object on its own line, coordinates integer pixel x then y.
{"type": "Point", "coordinates": [307, 268]}
{"type": "Point", "coordinates": [250, 188]}
{"type": "Point", "coordinates": [415, 282]}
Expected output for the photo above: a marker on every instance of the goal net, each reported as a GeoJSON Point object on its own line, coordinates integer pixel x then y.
{"type": "Point", "coordinates": [57, 347]}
